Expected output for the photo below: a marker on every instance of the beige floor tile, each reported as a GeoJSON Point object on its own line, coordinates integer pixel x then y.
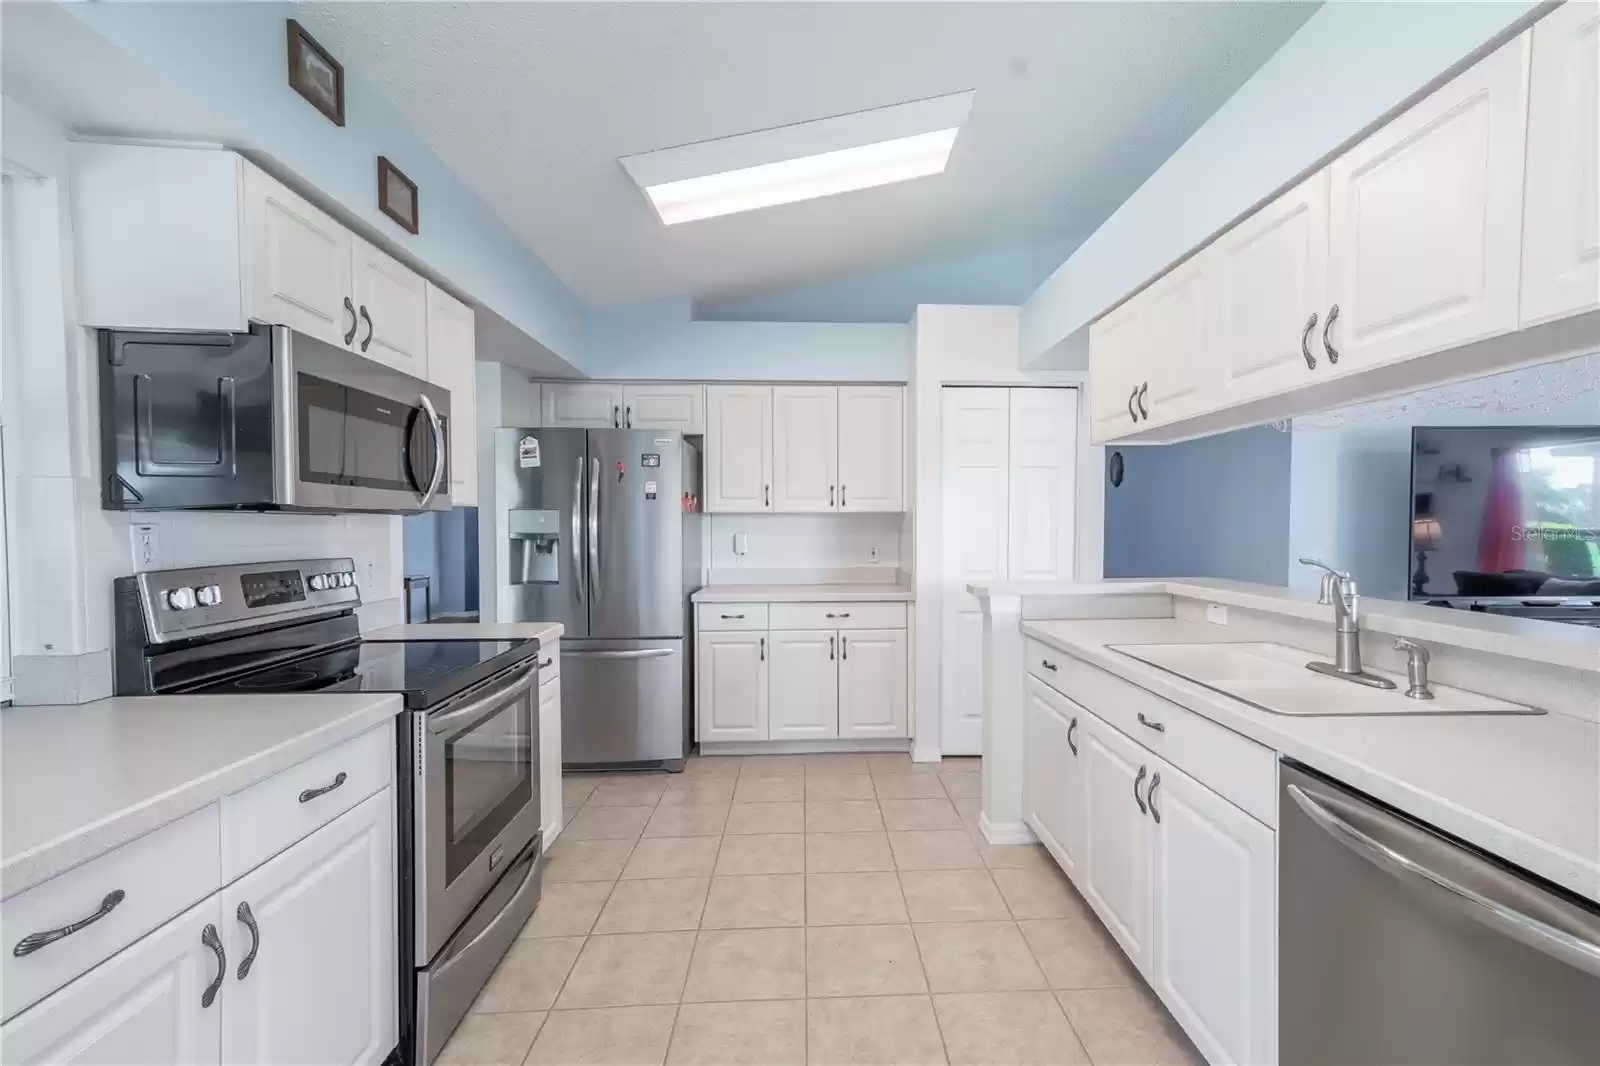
{"type": "Point", "coordinates": [700, 820]}
{"type": "Point", "coordinates": [567, 908]}
{"type": "Point", "coordinates": [968, 810]}
{"type": "Point", "coordinates": [920, 814]}
{"type": "Point", "coordinates": [633, 791]}
{"type": "Point", "coordinates": [961, 764]}
{"type": "Point", "coordinates": [976, 957]}
{"type": "Point", "coordinates": [833, 765]}
{"type": "Point", "coordinates": [654, 906]}
{"type": "Point", "coordinates": [747, 964]}
{"type": "Point", "coordinates": [491, 1039]}
{"type": "Point", "coordinates": [607, 823]}
{"type": "Point", "coordinates": [587, 860]}
{"type": "Point", "coordinates": [620, 1036]}
{"type": "Point", "coordinates": [530, 975]}
{"type": "Point", "coordinates": [952, 896]}
{"type": "Point", "coordinates": [1121, 1026]}
{"type": "Point", "coordinates": [1039, 892]}
{"type": "Point", "coordinates": [879, 1031]}
{"type": "Point", "coordinates": [739, 1034]}
{"type": "Point", "coordinates": [1013, 856]}
{"type": "Point", "coordinates": [755, 902]}
{"type": "Point", "coordinates": [702, 766]}
{"type": "Point", "coordinates": [840, 853]}
{"type": "Point", "coordinates": [575, 791]}
{"type": "Point", "coordinates": [770, 789]}
{"type": "Point", "coordinates": [698, 791]}
{"type": "Point", "coordinates": [907, 786]}
{"type": "Point", "coordinates": [892, 764]}
{"type": "Point", "coordinates": [844, 816]}
{"type": "Point", "coordinates": [747, 818]}
{"type": "Point", "coordinates": [628, 970]}
{"type": "Point", "coordinates": [828, 789]}
{"type": "Point", "coordinates": [864, 960]}
{"type": "Point", "coordinates": [672, 857]}
{"type": "Point", "coordinates": [854, 899]}
{"type": "Point", "coordinates": [773, 766]}
{"type": "Point", "coordinates": [960, 786]}
{"type": "Point", "coordinates": [1078, 953]}
{"type": "Point", "coordinates": [1021, 1028]}
{"type": "Point", "coordinates": [935, 849]}
{"type": "Point", "coordinates": [770, 853]}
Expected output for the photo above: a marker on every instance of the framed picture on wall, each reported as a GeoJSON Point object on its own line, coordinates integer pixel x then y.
{"type": "Point", "coordinates": [315, 74]}
{"type": "Point", "coordinates": [397, 195]}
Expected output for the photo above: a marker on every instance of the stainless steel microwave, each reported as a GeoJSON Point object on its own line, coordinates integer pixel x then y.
{"type": "Point", "coordinates": [268, 420]}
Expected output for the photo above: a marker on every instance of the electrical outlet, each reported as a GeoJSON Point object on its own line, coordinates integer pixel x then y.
{"type": "Point", "coordinates": [372, 577]}
{"type": "Point", "coordinates": [1217, 614]}
{"type": "Point", "coordinates": [872, 555]}
{"type": "Point", "coordinates": [741, 544]}
{"type": "Point", "coordinates": [146, 550]}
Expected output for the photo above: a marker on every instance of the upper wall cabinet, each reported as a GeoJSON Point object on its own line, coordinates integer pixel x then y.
{"type": "Point", "coordinates": [392, 307]}
{"type": "Point", "coordinates": [738, 448]}
{"type": "Point", "coordinates": [297, 263]}
{"type": "Point", "coordinates": [1561, 223]}
{"type": "Point", "coordinates": [805, 448]}
{"type": "Point", "coordinates": [679, 407]}
{"type": "Point", "coordinates": [452, 355]}
{"type": "Point", "coordinates": [871, 448]}
{"type": "Point", "coordinates": [589, 405]}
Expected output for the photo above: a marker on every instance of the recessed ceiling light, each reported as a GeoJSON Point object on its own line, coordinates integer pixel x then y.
{"type": "Point", "coordinates": [802, 161]}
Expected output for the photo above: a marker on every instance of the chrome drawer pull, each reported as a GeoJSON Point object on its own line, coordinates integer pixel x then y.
{"type": "Point", "coordinates": [210, 938]}
{"type": "Point", "coordinates": [312, 793]}
{"type": "Point", "coordinates": [249, 920]}
{"type": "Point", "coordinates": [730, 617]}
{"type": "Point", "coordinates": [1048, 665]}
{"type": "Point", "coordinates": [1148, 724]}
{"type": "Point", "coordinates": [34, 941]}
{"type": "Point", "coordinates": [1071, 729]}
{"type": "Point", "coordinates": [1305, 342]}
{"type": "Point", "coordinates": [1136, 797]}
{"type": "Point", "coordinates": [1333, 353]}
{"type": "Point", "coordinates": [845, 614]}
{"type": "Point", "coordinates": [1155, 783]}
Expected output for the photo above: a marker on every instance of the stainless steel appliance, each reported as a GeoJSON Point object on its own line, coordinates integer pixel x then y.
{"type": "Point", "coordinates": [467, 759]}
{"type": "Point", "coordinates": [270, 419]}
{"type": "Point", "coordinates": [1400, 945]}
{"type": "Point", "coordinates": [599, 530]}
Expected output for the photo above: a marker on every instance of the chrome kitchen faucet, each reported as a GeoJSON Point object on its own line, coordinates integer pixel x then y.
{"type": "Point", "coordinates": [1346, 629]}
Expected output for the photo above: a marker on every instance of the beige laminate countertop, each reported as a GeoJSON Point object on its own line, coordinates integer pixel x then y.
{"type": "Point", "coordinates": [544, 632]}
{"type": "Point", "coordinates": [77, 781]}
{"type": "Point", "coordinates": [802, 593]}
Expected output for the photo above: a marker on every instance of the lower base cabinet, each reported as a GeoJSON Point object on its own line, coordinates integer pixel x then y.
{"type": "Point", "coordinates": [803, 685]}
{"type": "Point", "coordinates": [873, 683]}
{"type": "Point", "coordinates": [551, 815]}
{"type": "Point", "coordinates": [1117, 848]}
{"type": "Point", "coordinates": [1054, 776]}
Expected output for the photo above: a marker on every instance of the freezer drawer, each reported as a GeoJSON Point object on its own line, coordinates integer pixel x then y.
{"type": "Point", "coordinates": [622, 703]}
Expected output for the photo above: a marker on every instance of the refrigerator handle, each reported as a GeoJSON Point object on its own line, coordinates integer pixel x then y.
{"type": "Point", "coordinates": [594, 531]}
{"type": "Point", "coordinates": [577, 531]}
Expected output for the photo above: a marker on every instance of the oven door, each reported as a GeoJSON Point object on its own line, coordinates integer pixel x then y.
{"type": "Point", "coordinates": [477, 798]}
{"type": "Point", "coordinates": [359, 436]}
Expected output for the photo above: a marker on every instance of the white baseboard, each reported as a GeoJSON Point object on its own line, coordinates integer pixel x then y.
{"type": "Point", "coordinates": [1004, 832]}
{"type": "Point", "coordinates": [802, 747]}
{"type": "Point", "coordinates": [926, 755]}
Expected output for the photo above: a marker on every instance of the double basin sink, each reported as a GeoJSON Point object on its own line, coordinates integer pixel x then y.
{"type": "Point", "coordinates": [1274, 678]}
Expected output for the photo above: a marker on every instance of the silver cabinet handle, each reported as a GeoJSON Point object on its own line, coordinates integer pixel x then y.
{"type": "Point", "coordinates": [841, 614]}
{"type": "Point", "coordinates": [1524, 928]}
{"type": "Point", "coordinates": [354, 321]}
{"type": "Point", "coordinates": [1148, 724]}
{"type": "Point", "coordinates": [312, 793]}
{"type": "Point", "coordinates": [628, 417]}
{"type": "Point", "coordinates": [211, 939]}
{"type": "Point", "coordinates": [367, 342]}
{"type": "Point", "coordinates": [579, 585]}
{"type": "Point", "coordinates": [616, 418]}
{"type": "Point", "coordinates": [763, 649]}
{"type": "Point", "coordinates": [1048, 665]}
{"type": "Point", "coordinates": [1137, 781]}
{"type": "Point", "coordinates": [545, 664]}
{"type": "Point", "coordinates": [830, 649]}
{"type": "Point", "coordinates": [1144, 412]}
{"type": "Point", "coordinates": [1131, 412]}
{"type": "Point", "coordinates": [730, 617]}
{"type": "Point", "coordinates": [844, 501]}
{"type": "Point", "coordinates": [594, 531]}
{"type": "Point", "coordinates": [830, 495]}
{"type": "Point", "coordinates": [844, 646]}
{"type": "Point", "coordinates": [1333, 353]}
{"type": "Point", "coordinates": [249, 920]}
{"type": "Point", "coordinates": [436, 428]}
{"type": "Point", "coordinates": [34, 941]}
{"type": "Point", "coordinates": [1305, 342]}
{"type": "Point", "coordinates": [1071, 729]}
{"type": "Point", "coordinates": [1155, 783]}
{"type": "Point", "coordinates": [766, 495]}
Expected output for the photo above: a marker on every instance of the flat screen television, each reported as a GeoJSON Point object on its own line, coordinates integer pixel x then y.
{"type": "Point", "coordinates": [1505, 513]}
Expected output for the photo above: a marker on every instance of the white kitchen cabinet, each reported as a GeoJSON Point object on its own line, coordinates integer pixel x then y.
{"type": "Point", "coordinates": [1425, 221]}
{"type": "Point", "coordinates": [1268, 279]}
{"type": "Point", "coordinates": [805, 448]}
{"type": "Point", "coordinates": [1116, 852]}
{"type": "Point", "coordinates": [551, 815]}
{"type": "Point", "coordinates": [1213, 944]}
{"type": "Point", "coordinates": [1115, 344]}
{"type": "Point", "coordinates": [145, 1005]}
{"type": "Point", "coordinates": [590, 405]}
{"type": "Point", "coordinates": [871, 453]}
{"type": "Point", "coordinates": [738, 475]}
{"type": "Point", "coordinates": [1561, 220]}
{"type": "Point", "coordinates": [322, 977]}
{"type": "Point", "coordinates": [1175, 370]}
{"type": "Point", "coordinates": [1053, 786]}
{"type": "Point", "coordinates": [392, 305]}
{"type": "Point", "coordinates": [679, 407]}
{"type": "Point", "coordinates": [1041, 484]}
{"type": "Point", "coordinates": [873, 683]}
{"type": "Point", "coordinates": [452, 356]}
{"type": "Point", "coordinates": [803, 685]}
{"type": "Point", "coordinates": [731, 686]}
{"type": "Point", "coordinates": [298, 261]}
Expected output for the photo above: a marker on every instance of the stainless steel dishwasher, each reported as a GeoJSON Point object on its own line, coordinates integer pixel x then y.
{"type": "Point", "coordinates": [1400, 945]}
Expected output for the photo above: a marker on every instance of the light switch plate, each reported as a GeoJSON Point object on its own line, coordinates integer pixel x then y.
{"type": "Point", "coordinates": [1217, 614]}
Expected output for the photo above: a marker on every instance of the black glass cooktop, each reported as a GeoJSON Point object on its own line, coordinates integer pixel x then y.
{"type": "Point", "coordinates": [425, 672]}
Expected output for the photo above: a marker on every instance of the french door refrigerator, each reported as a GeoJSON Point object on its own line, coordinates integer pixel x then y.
{"type": "Point", "coordinates": [598, 530]}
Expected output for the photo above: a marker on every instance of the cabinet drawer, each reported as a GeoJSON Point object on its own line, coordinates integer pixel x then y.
{"type": "Point", "coordinates": [838, 616]}
{"type": "Point", "coordinates": [710, 616]}
{"type": "Point", "coordinates": [262, 820]}
{"type": "Point", "coordinates": [159, 875]}
{"type": "Point", "coordinates": [549, 662]}
{"type": "Point", "coordinates": [1236, 767]}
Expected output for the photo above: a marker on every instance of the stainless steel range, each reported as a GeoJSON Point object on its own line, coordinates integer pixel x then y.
{"type": "Point", "coordinates": [467, 765]}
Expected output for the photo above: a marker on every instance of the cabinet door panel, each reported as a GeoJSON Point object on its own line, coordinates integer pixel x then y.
{"type": "Point", "coordinates": [452, 355]}
{"type": "Point", "coordinates": [1054, 777]}
{"type": "Point", "coordinates": [873, 683]}
{"type": "Point", "coordinates": [1214, 946]}
{"type": "Point", "coordinates": [550, 811]}
{"type": "Point", "coordinates": [299, 261]}
{"type": "Point", "coordinates": [679, 407]}
{"type": "Point", "coordinates": [803, 685]}
{"type": "Point", "coordinates": [871, 448]}
{"type": "Point", "coordinates": [582, 406]}
{"type": "Point", "coordinates": [1116, 850]}
{"type": "Point", "coordinates": [805, 448]}
{"type": "Point", "coordinates": [1426, 220]}
{"type": "Point", "coordinates": [731, 682]}
{"type": "Point", "coordinates": [395, 299]}
{"type": "Point", "coordinates": [1174, 364]}
{"type": "Point", "coordinates": [142, 1006]}
{"type": "Point", "coordinates": [325, 955]}
{"type": "Point", "coordinates": [1043, 450]}
{"type": "Point", "coordinates": [1115, 342]}
{"type": "Point", "coordinates": [1561, 239]}
{"type": "Point", "coordinates": [738, 448]}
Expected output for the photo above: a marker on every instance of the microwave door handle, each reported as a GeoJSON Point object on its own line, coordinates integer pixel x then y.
{"type": "Point", "coordinates": [506, 694]}
{"type": "Point", "coordinates": [577, 531]}
{"type": "Point", "coordinates": [594, 531]}
{"type": "Point", "coordinates": [437, 429]}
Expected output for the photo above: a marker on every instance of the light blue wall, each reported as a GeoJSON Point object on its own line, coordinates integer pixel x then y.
{"type": "Point", "coordinates": [1350, 64]}
{"type": "Point", "coordinates": [231, 57]}
{"type": "Point", "coordinates": [1214, 507]}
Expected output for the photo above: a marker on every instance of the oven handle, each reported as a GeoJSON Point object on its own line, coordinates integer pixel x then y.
{"type": "Point", "coordinates": [438, 450]}
{"type": "Point", "coordinates": [443, 965]}
{"type": "Point", "coordinates": [632, 653]}
{"type": "Point", "coordinates": [527, 676]}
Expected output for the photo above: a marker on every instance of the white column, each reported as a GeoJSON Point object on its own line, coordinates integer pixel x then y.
{"type": "Point", "coordinates": [1003, 754]}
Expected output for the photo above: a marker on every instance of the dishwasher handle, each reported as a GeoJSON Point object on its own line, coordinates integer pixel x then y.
{"type": "Point", "coordinates": [1520, 926]}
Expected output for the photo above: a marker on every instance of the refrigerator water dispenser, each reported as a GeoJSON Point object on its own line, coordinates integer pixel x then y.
{"type": "Point", "coordinates": [535, 547]}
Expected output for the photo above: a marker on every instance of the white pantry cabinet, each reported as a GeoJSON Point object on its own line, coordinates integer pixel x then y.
{"type": "Point", "coordinates": [679, 407]}
{"type": "Point", "coordinates": [590, 405]}
{"type": "Point", "coordinates": [805, 448]}
{"type": "Point", "coordinates": [452, 355]}
{"type": "Point", "coordinates": [803, 685]}
{"type": "Point", "coordinates": [731, 686]}
{"type": "Point", "coordinates": [738, 448]}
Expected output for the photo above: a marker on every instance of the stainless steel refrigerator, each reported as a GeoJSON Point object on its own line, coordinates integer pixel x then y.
{"type": "Point", "coordinates": [599, 530]}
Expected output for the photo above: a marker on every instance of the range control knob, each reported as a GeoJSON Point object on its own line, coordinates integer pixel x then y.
{"type": "Point", "coordinates": [319, 582]}
{"type": "Point", "coordinates": [208, 595]}
{"type": "Point", "coordinates": [180, 599]}
{"type": "Point", "coordinates": [347, 579]}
